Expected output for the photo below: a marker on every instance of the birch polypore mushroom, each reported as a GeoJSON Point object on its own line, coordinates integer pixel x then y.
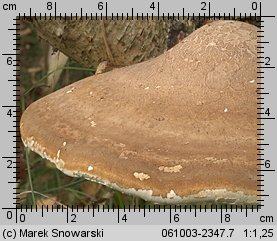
{"type": "Point", "coordinates": [179, 128]}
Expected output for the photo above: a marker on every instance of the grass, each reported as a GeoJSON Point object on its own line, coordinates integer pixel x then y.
{"type": "Point", "coordinates": [39, 82]}
{"type": "Point", "coordinates": [30, 176]}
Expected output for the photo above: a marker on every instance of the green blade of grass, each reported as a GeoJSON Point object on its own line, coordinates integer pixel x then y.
{"type": "Point", "coordinates": [64, 186]}
{"type": "Point", "coordinates": [22, 103]}
{"type": "Point", "coordinates": [53, 71]}
{"type": "Point", "coordinates": [118, 199]}
{"type": "Point", "coordinates": [29, 176]}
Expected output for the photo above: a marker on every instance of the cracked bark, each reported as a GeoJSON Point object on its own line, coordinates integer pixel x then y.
{"type": "Point", "coordinates": [122, 42]}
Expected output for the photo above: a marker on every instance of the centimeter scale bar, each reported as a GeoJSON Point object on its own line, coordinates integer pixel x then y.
{"type": "Point", "coordinates": [196, 210]}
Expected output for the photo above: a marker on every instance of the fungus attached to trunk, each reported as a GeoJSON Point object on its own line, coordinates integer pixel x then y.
{"type": "Point", "coordinates": [179, 128]}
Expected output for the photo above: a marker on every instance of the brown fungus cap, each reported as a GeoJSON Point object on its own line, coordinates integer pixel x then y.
{"type": "Point", "coordinates": [179, 128]}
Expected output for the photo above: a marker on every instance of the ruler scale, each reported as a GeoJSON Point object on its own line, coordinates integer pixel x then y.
{"type": "Point", "coordinates": [160, 221]}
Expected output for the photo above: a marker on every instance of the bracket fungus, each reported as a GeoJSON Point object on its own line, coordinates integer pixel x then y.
{"type": "Point", "coordinates": [179, 128]}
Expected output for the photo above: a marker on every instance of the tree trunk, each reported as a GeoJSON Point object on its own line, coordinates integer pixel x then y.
{"type": "Point", "coordinates": [121, 42]}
